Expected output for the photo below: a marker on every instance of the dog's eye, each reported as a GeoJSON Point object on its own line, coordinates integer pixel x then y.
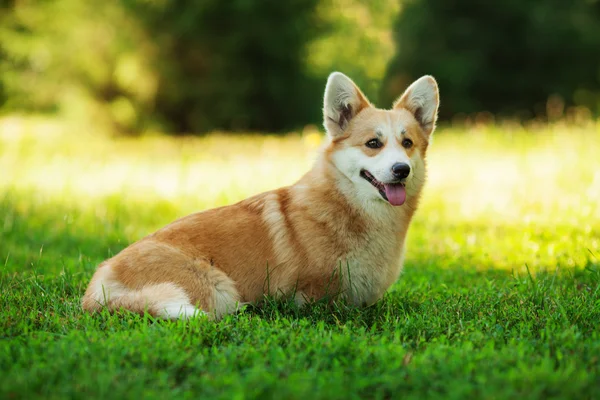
{"type": "Point", "coordinates": [407, 143]}
{"type": "Point", "coordinates": [374, 144]}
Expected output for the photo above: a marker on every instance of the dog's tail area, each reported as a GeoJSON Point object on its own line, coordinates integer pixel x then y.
{"type": "Point", "coordinates": [163, 300]}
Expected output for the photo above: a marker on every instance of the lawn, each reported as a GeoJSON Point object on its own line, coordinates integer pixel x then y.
{"type": "Point", "coordinates": [500, 296]}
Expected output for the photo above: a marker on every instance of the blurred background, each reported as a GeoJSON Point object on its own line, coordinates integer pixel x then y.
{"type": "Point", "coordinates": [181, 67]}
{"type": "Point", "coordinates": [117, 117]}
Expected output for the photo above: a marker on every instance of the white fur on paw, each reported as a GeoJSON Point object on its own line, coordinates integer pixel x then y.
{"type": "Point", "coordinates": [178, 310]}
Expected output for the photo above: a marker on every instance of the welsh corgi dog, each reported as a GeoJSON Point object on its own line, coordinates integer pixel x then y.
{"type": "Point", "coordinates": [339, 231]}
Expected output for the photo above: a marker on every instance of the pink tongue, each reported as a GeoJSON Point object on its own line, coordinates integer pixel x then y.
{"type": "Point", "coordinates": [396, 194]}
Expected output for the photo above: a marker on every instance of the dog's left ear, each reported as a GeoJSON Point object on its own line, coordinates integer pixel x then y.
{"type": "Point", "coordinates": [343, 100]}
{"type": "Point", "coordinates": [422, 99]}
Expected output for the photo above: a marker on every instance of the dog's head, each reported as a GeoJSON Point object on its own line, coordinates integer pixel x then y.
{"type": "Point", "coordinates": [381, 151]}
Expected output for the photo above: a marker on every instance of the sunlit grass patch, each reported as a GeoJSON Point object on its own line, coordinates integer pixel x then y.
{"type": "Point", "coordinates": [490, 173]}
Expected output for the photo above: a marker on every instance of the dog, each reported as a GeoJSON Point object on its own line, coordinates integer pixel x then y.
{"type": "Point", "coordinates": [338, 233]}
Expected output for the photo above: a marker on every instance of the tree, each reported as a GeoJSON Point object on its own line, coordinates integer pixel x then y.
{"type": "Point", "coordinates": [181, 66]}
{"type": "Point", "coordinates": [503, 57]}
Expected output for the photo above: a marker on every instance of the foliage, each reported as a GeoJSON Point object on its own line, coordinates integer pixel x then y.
{"type": "Point", "coordinates": [90, 61]}
{"type": "Point", "coordinates": [189, 67]}
{"type": "Point", "coordinates": [506, 57]}
{"type": "Point", "coordinates": [357, 41]}
{"type": "Point", "coordinates": [500, 297]}
{"type": "Point", "coordinates": [231, 64]}
{"type": "Point", "coordinates": [184, 66]}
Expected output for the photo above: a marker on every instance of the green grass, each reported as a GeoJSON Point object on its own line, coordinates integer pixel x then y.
{"type": "Point", "coordinates": [500, 297]}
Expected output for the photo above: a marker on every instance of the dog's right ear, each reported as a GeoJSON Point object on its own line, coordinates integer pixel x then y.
{"type": "Point", "coordinates": [343, 100]}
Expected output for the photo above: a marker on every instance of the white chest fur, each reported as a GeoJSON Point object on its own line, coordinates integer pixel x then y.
{"type": "Point", "coordinates": [373, 267]}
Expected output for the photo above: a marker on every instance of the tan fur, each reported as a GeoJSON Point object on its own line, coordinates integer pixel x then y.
{"type": "Point", "coordinates": [309, 240]}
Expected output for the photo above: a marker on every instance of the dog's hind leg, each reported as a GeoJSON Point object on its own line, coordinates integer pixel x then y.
{"type": "Point", "coordinates": [165, 300]}
{"type": "Point", "coordinates": [163, 282]}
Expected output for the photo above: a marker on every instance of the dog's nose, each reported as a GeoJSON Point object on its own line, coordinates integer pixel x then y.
{"type": "Point", "coordinates": [401, 170]}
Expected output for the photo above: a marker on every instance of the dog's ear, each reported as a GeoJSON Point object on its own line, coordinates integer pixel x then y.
{"type": "Point", "coordinates": [422, 99]}
{"type": "Point", "coordinates": [343, 100]}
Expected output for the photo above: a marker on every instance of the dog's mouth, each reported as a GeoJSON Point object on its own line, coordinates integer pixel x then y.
{"type": "Point", "coordinates": [394, 193]}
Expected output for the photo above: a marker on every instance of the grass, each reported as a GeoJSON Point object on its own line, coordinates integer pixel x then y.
{"type": "Point", "coordinates": [500, 297]}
